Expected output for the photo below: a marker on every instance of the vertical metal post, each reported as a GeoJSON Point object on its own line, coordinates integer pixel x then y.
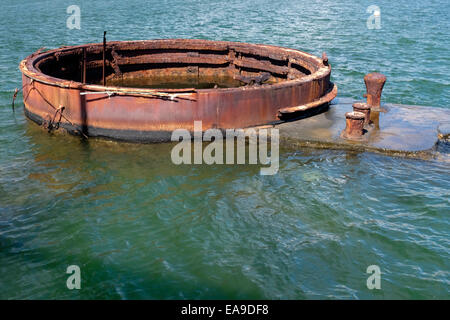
{"type": "Point", "coordinates": [104, 57]}
{"type": "Point", "coordinates": [84, 65]}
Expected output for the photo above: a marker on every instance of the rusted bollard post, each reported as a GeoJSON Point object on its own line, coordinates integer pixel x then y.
{"type": "Point", "coordinates": [374, 85]}
{"type": "Point", "coordinates": [354, 125]}
{"type": "Point", "coordinates": [363, 108]}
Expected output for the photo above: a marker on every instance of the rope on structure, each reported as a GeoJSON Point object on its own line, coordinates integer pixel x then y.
{"type": "Point", "coordinates": [161, 95]}
{"type": "Point", "coordinates": [14, 98]}
{"type": "Point", "coordinates": [51, 125]}
{"type": "Point", "coordinates": [61, 114]}
{"type": "Point", "coordinates": [16, 91]}
{"type": "Point", "coordinates": [60, 109]}
{"type": "Point", "coordinates": [156, 94]}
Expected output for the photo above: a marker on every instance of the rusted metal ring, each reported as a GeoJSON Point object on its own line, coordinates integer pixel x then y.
{"type": "Point", "coordinates": [297, 81]}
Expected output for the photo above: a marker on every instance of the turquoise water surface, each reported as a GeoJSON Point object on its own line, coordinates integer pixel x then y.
{"type": "Point", "coordinates": [141, 227]}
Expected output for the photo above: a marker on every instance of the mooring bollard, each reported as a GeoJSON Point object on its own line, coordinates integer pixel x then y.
{"type": "Point", "coordinates": [363, 108]}
{"type": "Point", "coordinates": [374, 85]}
{"type": "Point", "coordinates": [354, 125]}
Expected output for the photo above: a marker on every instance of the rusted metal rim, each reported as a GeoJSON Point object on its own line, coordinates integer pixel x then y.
{"type": "Point", "coordinates": [28, 65]}
{"type": "Point", "coordinates": [330, 95]}
{"type": "Point", "coordinates": [291, 81]}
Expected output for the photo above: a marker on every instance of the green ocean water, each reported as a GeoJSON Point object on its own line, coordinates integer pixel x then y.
{"type": "Point", "coordinates": [141, 227]}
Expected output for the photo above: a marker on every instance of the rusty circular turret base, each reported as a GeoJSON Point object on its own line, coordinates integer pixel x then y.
{"type": "Point", "coordinates": [269, 84]}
